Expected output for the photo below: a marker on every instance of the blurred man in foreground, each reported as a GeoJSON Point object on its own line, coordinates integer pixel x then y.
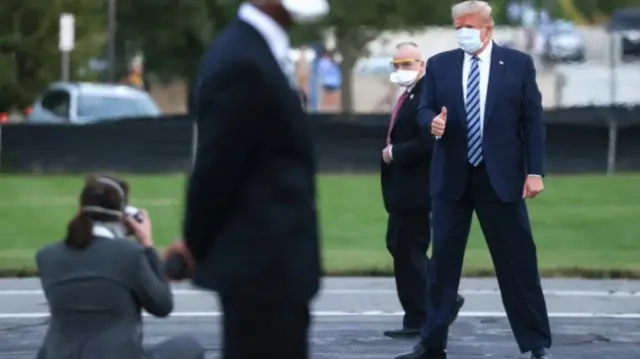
{"type": "Point", "coordinates": [250, 221]}
{"type": "Point", "coordinates": [405, 164]}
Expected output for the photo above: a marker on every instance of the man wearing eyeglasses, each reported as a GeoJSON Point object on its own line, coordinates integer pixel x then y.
{"type": "Point", "coordinates": [406, 162]}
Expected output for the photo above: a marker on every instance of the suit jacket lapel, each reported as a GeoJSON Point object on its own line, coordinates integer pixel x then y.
{"type": "Point", "coordinates": [286, 67]}
{"type": "Point", "coordinates": [413, 93]}
{"type": "Point", "coordinates": [496, 74]}
{"type": "Point", "coordinates": [457, 80]}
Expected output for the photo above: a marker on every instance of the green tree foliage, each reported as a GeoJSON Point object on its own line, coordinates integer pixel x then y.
{"type": "Point", "coordinates": [174, 33]}
{"type": "Point", "coordinates": [29, 56]}
{"type": "Point", "coordinates": [355, 23]}
{"type": "Point", "coordinates": [593, 8]}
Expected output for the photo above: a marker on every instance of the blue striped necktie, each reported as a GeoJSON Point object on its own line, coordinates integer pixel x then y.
{"type": "Point", "coordinates": [474, 130]}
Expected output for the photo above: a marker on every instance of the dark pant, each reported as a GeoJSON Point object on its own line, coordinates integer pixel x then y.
{"type": "Point", "coordinates": [179, 347]}
{"type": "Point", "coordinates": [408, 237]}
{"type": "Point", "coordinates": [508, 235]}
{"type": "Point", "coordinates": [255, 329]}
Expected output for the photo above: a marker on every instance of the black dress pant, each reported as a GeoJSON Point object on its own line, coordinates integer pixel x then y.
{"type": "Point", "coordinates": [255, 329]}
{"type": "Point", "coordinates": [408, 237]}
{"type": "Point", "coordinates": [507, 231]}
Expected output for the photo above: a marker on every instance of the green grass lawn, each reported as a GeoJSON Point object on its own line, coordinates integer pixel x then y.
{"type": "Point", "coordinates": [584, 225]}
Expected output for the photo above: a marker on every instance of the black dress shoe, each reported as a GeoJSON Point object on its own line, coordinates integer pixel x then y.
{"type": "Point", "coordinates": [403, 333]}
{"type": "Point", "coordinates": [418, 352]}
{"type": "Point", "coordinates": [540, 354]}
{"type": "Point", "coordinates": [456, 308]}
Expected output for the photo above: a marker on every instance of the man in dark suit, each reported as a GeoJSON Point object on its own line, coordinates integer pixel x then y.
{"type": "Point", "coordinates": [250, 221]}
{"type": "Point", "coordinates": [483, 105]}
{"type": "Point", "coordinates": [405, 164]}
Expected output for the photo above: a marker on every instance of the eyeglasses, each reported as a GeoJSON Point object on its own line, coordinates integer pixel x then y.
{"type": "Point", "coordinates": [402, 63]}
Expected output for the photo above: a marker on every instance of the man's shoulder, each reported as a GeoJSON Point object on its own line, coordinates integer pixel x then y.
{"type": "Point", "coordinates": [234, 47]}
{"type": "Point", "coordinates": [513, 53]}
{"type": "Point", "coordinates": [237, 40]}
{"type": "Point", "coordinates": [445, 56]}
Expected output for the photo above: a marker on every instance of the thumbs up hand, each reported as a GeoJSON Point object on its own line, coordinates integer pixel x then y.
{"type": "Point", "coordinates": [439, 123]}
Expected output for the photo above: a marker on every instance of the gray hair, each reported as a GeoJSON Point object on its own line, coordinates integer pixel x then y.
{"type": "Point", "coordinates": [470, 7]}
{"type": "Point", "coordinates": [407, 43]}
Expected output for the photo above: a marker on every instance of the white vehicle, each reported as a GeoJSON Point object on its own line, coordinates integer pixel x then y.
{"type": "Point", "coordinates": [563, 43]}
{"type": "Point", "coordinates": [82, 103]}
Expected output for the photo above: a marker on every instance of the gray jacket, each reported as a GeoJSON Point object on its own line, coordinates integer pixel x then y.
{"type": "Point", "coordinates": [96, 296]}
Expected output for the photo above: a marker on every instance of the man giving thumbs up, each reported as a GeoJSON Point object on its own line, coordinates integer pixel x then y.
{"type": "Point", "coordinates": [439, 123]}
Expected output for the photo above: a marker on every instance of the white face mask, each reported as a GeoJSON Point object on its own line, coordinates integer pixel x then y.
{"type": "Point", "coordinates": [404, 78]}
{"type": "Point", "coordinates": [469, 40]}
{"type": "Point", "coordinates": [306, 11]}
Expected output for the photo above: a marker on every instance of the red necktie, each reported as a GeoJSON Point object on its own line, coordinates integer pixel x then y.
{"type": "Point", "coordinates": [395, 113]}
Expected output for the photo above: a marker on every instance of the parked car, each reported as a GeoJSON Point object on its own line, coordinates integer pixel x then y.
{"type": "Point", "coordinates": [82, 103]}
{"type": "Point", "coordinates": [626, 22]}
{"type": "Point", "coordinates": [373, 66]}
{"type": "Point", "coordinates": [563, 43]}
{"type": "Point", "coordinates": [13, 116]}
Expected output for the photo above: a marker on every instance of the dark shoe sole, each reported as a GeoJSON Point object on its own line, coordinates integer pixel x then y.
{"type": "Point", "coordinates": [402, 333]}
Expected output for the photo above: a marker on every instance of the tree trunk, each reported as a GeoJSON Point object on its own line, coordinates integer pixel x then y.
{"type": "Point", "coordinates": [346, 92]}
{"type": "Point", "coordinates": [351, 45]}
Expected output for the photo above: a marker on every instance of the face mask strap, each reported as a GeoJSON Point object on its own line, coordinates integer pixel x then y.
{"type": "Point", "coordinates": [394, 77]}
{"type": "Point", "coordinates": [306, 11]}
{"type": "Point", "coordinates": [395, 64]}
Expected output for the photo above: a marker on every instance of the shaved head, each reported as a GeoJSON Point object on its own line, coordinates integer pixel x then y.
{"type": "Point", "coordinates": [408, 57]}
{"type": "Point", "coordinates": [407, 51]}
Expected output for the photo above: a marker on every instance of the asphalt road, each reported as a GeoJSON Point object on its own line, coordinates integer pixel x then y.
{"type": "Point", "coordinates": [591, 319]}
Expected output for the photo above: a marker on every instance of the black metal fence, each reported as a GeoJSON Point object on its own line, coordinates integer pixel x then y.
{"type": "Point", "coordinates": [579, 140]}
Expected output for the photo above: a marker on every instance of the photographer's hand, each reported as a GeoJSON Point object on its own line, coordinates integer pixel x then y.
{"type": "Point", "coordinates": [141, 230]}
{"type": "Point", "coordinates": [179, 263]}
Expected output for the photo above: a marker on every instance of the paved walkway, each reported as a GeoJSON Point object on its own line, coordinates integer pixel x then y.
{"type": "Point", "coordinates": [591, 319]}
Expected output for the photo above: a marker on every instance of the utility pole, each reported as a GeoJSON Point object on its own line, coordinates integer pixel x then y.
{"type": "Point", "coordinates": [111, 47]}
{"type": "Point", "coordinates": [66, 44]}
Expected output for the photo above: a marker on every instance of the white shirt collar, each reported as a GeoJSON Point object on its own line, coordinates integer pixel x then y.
{"type": "Point", "coordinates": [100, 231]}
{"type": "Point", "coordinates": [484, 56]}
{"type": "Point", "coordinates": [109, 230]}
{"type": "Point", "coordinates": [271, 31]}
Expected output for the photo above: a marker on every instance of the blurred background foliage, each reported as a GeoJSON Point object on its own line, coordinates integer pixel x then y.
{"type": "Point", "coordinates": [172, 34]}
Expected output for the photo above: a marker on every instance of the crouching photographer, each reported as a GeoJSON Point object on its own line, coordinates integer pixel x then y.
{"type": "Point", "coordinates": [100, 277]}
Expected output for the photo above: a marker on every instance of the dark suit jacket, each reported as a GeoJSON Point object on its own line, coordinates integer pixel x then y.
{"type": "Point", "coordinates": [405, 182]}
{"type": "Point", "coordinates": [95, 298]}
{"type": "Point", "coordinates": [250, 213]}
{"type": "Point", "coordinates": [513, 137]}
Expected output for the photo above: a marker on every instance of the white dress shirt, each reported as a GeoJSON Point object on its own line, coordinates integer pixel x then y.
{"type": "Point", "coordinates": [276, 37]}
{"type": "Point", "coordinates": [484, 65]}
